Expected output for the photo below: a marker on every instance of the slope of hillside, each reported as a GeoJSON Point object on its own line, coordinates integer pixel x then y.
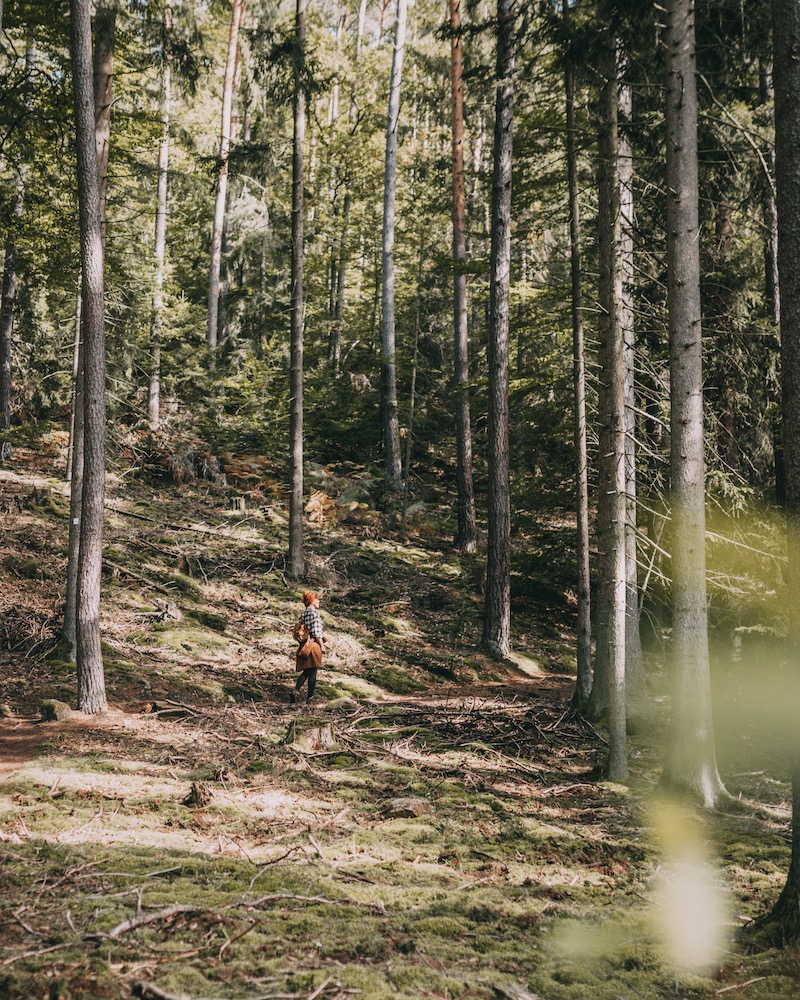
{"type": "Point", "coordinates": [435, 827]}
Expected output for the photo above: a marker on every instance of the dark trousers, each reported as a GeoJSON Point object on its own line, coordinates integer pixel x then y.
{"type": "Point", "coordinates": [309, 675]}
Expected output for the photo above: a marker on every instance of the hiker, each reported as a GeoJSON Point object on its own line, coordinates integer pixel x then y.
{"type": "Point", "coordinates": [308, 658]}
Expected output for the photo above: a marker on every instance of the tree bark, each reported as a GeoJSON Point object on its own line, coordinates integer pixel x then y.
{"type": "Point", "coordinates": [467, 530]}
{"type": "Point", "coordinates": [691, 764]}
{"type": "Point", "coordinates": [10, 279]}
{"type": "Point", "coordinates": [785, 916]}
{"type": "Point", "coordinates": [154, 395]}
{"type": "Point", "coordinates": [91, 682]}
{"type": "Point", "coordinates": [391, 424]}
{"type": "Point", "coordinates": [335, 342]}
{"type": "Point", "coordinates": [637, 701]}
{"type": "Point", "coordinates": [103, 79]}
{"type": "Point", "coordinates": [103, 96]}
{"type": "Point", "coordinates": [296, 558]}
{"type": "Point", "coordinates": [497, 610]}
{"type": "Point", "coordinates": [608, 691]}
{"type": "Point", "coordinates": [583, 683]}
{"type": "Point", "coordinates": [222, 176]}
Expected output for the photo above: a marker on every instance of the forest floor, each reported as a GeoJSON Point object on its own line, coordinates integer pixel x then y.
{"type": "Point", "coordinates": [436, 826]}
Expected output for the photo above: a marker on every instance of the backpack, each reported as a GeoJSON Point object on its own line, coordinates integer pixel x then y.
{"type": "Point", "coordinates": [300, 632]}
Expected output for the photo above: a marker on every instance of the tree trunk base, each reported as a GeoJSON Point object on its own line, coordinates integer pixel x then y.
{"type": "Point", "coordinates": [779, 928]}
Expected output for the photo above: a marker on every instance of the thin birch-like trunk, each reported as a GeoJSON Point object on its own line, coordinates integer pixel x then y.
{"type": "Point", "coordinates": [91, 681]}
{"type": "Point", "coordinates": [691, 764]}
{"type": "Point", "coordinates": [154, 396]}
{"type": "Point", "coordinates": [609, 679]}
{"type": "Point", "coordinates": [638, 709]}
{"type": "Point", "coordinates": [296, 557]}
{"type": "Point", "coordinates": [222, 176]}
{"type": "Point", "coordinates": [497, 609]}
{"type": "Point", "coordinates": [583, 683]}
{"type": "Point", "coordinates": [467, 531]}
{"type": "Point", "coordinates": [391, 423]}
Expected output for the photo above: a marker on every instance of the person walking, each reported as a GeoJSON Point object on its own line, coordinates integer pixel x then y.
{"type": "Point", "coordinates": [308, 658]}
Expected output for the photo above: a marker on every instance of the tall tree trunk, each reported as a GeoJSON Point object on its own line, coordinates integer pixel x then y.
{"type": "Point", "coordinates": [637, 701]}
{"type": "Point", "coordinates": [91, 682]}
{"type": "Point", "coordinates": [103, 96]}
{"type": "Point", "coordinates": [467, 532]}
{"type": "Point", "coordinates": [105, 23]}
{"type": "Point", "coordinates": [583, 683]}
{"type": "Point", "coordinates": [497, 610]}
{"type": "Point", "coordinates": [222, 175]}
{"type": "Point", "coordinates": [69, 630]}
{"type": "Point", "coordinates": [608, 690]}
{"type": "Point", "coordinates": [296, 558]}
{"type": "Point", "coordinates": [335, 342]}
{"type": "Point", "coordinates": [691, 764]}
{"type": "Point", "coordinates": [10, 279]}
{"type": "Point", "coordinates": [785, 915]}
{"type": "Point", "coordinates": [9, 294]}
{"type": "Point", "coordinates": [154, 395]}
{"type": "Point", "coordinates": [391, 424]}
{"type": "Point", "coordinates": [771, 282]}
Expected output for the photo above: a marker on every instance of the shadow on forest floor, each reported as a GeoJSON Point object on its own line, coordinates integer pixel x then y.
{"type": "Point", "coordinates": [437, 827]}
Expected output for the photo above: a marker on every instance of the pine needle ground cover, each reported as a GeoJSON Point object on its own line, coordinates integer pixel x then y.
{"type": "Point", "coordinates": [436, 827]}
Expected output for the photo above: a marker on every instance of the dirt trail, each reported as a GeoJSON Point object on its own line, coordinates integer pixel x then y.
{"type": "Point", "coordinates": [20, 738]}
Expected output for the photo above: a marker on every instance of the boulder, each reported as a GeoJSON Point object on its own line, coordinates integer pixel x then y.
{"type": "Point", "coordinates": [55, 711]}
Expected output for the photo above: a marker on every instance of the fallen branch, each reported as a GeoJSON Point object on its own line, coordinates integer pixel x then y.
{"type": "Point", "coordinates": [148, 918]}
{"type": "Point", "coordinates": [344, 901]}
{"type": "Point", "coordinates": [138, 576]}
{"type": "Point", "coordinates": [739, 986]}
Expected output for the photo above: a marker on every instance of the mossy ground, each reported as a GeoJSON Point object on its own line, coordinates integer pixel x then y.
{"type": "Point", "coordinates": [304, 874]}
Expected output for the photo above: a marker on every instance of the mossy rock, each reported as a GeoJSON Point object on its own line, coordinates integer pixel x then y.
{"type": "Point", "coordinates": [393, 680]}
{"type": "Point", "coordinates": [24, 566]}
{"type": "Point", "coordinates": [211, 620]}
{"type": "Point", "coordinates": [185, 585]}
{"type": "Point", "coordinates": [55, 711]}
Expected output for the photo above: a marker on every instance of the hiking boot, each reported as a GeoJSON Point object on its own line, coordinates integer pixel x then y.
{"type": "Point", "coordinates": [293, 697]}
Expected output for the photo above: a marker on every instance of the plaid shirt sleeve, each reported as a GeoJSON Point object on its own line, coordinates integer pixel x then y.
{"type": "Point", "coordinates": [313, 622]}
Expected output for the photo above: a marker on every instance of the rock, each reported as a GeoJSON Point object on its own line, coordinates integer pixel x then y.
{"type": "Point", "coordinates": [55, 711]}
{"type": "Point", "coordinates": [408, 808]}
{"type": "Point", "coordinates": [5, 711]}
{"type": "Point", "coordinates": [343, 704]}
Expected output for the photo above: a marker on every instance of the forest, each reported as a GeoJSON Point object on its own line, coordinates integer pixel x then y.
{"type": "Point", "coordinates": [400, 498]}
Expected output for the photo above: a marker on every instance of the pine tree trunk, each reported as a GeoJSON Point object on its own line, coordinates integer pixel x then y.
{"type": "Point", "coordinates": [222, 176]}
{"type": "Point", "coordinates": [608, 690]}
{"type": "Point", "coordinates": [91, 682]}
{"type": "Point", "coordinates": [497, 610]}
{"type": "Point", "coordinates": [335, 342]}
{"type": "Point", "coordinates": [691, 764]}
{"type": "Point", "coordinates": [786, 41]}
{"type": "Point", "coordinates": [103, 80]}
{"type": "Point", "coordinates": [69, 630]}
{"type": "Point", "coordinates": [583, 683]}
{"type": "Point", "coordinates": [637, 701]}
{"type": "Point", "coordinates": [10, 279]}
{"type": "Point", "coordinates": [296, 558]}
{"type": "Point", "coordinates": [9, 294]}
{"type": "Point", "coordinates": [154, 395]}
{"type": "Point", "coordinates": [467, 532]}
{"type": "Point", "coordinates": [391, 424]}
